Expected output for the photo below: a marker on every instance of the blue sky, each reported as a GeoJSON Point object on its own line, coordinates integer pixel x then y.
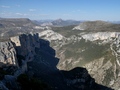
{"type": "Point", "coordinates": [65, 9]}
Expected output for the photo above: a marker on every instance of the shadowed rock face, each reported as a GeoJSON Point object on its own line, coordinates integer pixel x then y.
{"type": "Point", "coordinates": [40, 60]}
{"type": "Point", "coordinates": [25, 45]}
{"type": "Point", "coordinates": [81, 80]}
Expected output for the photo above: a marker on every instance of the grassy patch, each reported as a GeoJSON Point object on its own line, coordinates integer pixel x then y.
{"type": "Point", "coordinates": [108, 77]}
{"type": "Point", "coordinates": [66, 30]}
{"type": "Point", "coordinates": [85, 49]}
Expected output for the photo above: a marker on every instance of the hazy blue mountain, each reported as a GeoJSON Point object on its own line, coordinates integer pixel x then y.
{"type": "Point", "coordinates": [58, 22]}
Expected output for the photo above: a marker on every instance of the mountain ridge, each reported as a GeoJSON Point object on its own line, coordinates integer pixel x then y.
{"type": "Point", "coordinates": [95, 50]}
{"type": "Point", "coordinates": [39, 59]}
{"type": "Point", "coordinates": [97, 26]}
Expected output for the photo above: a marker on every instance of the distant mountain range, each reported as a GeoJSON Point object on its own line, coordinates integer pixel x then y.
{"type": "Point", "coordinates": [61, 22]}
{"type": "Point", "coordinates": [58, 22]}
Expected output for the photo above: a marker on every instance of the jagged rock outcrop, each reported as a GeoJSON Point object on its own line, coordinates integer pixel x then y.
{"type": "Point", "coordinates": [7, 54]}
{"type": "Point", "coordinates": [39, 59]}
{"type": "Point", "coordinates": [17, 52]}
{"type": "Point", "coordinates": [51, 35]}
{"type": "Point", "coordinates": [105, 36]}
{"type": "Point", "coordinates": [25, 45]}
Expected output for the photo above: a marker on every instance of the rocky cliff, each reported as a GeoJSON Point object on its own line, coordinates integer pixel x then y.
{"type": "Point", "coordinates": [36, 58]}
{"type": "Point", "coordinates": [98, 52]}
{"type": "Point", "coordinates": [23, 55]}
{"type": "Point", "coordinates": [25, 45]}
{"type": "Point", "coordinates": [7, 54]}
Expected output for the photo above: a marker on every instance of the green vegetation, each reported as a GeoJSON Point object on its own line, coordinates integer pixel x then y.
{"type": "Point", "coordinates": [109, 76]}
{"type": "Point", "coordinates": [66, 30]}
{"type": "Point", "coordinates": [94, 51]}
{"type": "Point", "coordinates": [109, 56]}
{"type": "Point", "coordinates": [86, 50]}
{"type": "Point", "coordinates": [27, 83]}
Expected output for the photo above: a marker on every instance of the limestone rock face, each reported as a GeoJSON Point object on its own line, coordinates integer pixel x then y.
{"type": "Point", "coordinates": [104, 73]}
{"type": "Point", "coordinates": [98, 52]}
{"type": "Point", "coordinates": [18, 51]}
{"type": "Point", "coordinates": [39, 58]}
{"type": "Point", "coordinates": [51, 35]}
{"type": "Point", "coordinates": [26, 44]}
{"type": "Point", "coordinates": [7, 54]}
{"type": "Point", "coordinates": [92, 25]}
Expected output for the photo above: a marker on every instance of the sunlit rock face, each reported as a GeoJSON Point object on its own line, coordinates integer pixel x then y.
{"type": "Point", "coordinates": [7, 54]}
{"type": "Point", "coordinates": [51, 35]}
{"type": "Point", "coordinates": [100, 36]}
{"type": "Point", "coordinates": [92, 25]}
{"type": "Point", "coordinates": [17, 51]}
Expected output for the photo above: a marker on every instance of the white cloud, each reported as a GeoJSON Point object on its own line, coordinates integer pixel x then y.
{"type": "Point", "coordinates": [18, 13]}
{"type": "Point", "coordinates": [21, 14]}
{"type": "Point", "coordinates": [25, 14]}
{"type": "Point", "coordinates": [32, 10]}
{"type": "Point", "coordinates": [3, 6]}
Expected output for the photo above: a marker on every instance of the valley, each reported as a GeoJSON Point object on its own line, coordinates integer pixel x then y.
{"type": "Point", "coordinates": [92, 47]}
{"type": "Point", "coordinates": [96, 50]}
